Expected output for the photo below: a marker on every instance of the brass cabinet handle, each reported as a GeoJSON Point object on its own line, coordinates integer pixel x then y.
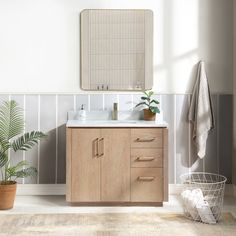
{"type": "Point", "coordinates": [95, 147]}
{"type": "Point", "coordinates": [145, 139]}
{"type": "Point", "coordinates": [101, 147]}
{"type": "Point", "coordinates": [145, 158]}
{"type": "Point", "coordinates": [146, 178]}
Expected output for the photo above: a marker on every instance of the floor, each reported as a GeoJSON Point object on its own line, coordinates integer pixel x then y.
{"type": "Point", "coordinates": [57, 204]}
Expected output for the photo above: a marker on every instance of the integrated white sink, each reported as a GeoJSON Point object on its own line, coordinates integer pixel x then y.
{"type": "Point", "coordinates": [103, 119]}
{"type": "Point", "coordinates": [114, 123]}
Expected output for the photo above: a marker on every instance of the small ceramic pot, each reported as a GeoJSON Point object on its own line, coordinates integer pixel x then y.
{"type": "Point", "coordinates": [7, 195]}
{"type": "Point", "coordinates": [149, 115]}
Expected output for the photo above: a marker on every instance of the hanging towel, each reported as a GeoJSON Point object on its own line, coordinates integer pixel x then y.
{"type": "Point", "coordinates": [200, 112]}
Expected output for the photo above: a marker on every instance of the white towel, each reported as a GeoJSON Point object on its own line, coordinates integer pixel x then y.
{"type": "Point", "coordinates": [200, 112]}
{"type": "Point", "coordinates": [190, 200]}
{"type": "Point", "coordinates": [205, 213]}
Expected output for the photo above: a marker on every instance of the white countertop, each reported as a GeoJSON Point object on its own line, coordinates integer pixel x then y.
{"type": "Point", "coordinates": [115, 123]}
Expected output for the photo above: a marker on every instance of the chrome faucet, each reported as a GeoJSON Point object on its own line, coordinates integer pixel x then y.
{"type": "Point", "coordinates": [115, 111]}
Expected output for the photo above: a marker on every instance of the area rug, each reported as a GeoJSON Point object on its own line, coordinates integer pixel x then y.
{"type": "Point", "coordinates": [117, 224]}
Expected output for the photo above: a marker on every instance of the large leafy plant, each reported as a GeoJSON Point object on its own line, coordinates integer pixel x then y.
{"type": "Point", "coordinates": [13, 138]}
{"type": "Point", "coordinates": [149, 102]}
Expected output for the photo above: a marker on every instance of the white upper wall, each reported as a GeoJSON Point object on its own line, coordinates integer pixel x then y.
{"type": "Point", "coordinates": [39, 43]}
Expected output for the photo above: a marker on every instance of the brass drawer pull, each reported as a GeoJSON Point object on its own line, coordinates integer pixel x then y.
{"type": "Point", "coordinates": [146, 178]}
{"type": "Point", "coordinates": [101, 147]}
{"type": "Point", "coordinates": [145, 139]}
{"type": "Point", "coordinates": [95, 147]}
{"type": "Point", "coordinates": [145, 158]}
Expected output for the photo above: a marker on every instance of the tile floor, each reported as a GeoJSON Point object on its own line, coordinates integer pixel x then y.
{"type": "Point", "coordinates": [57, 204]}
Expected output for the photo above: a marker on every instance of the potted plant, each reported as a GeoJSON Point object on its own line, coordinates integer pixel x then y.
{"type": "Point", "coordinates": [150, 104]}
{"type": "Point", "coordinates": [13, 138]}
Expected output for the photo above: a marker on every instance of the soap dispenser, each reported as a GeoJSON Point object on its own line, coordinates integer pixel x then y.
{"type": "Point", "coordinates": [82, 113]}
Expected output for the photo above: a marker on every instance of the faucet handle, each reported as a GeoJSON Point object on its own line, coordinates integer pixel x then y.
{"type": "Point", "coordinates": [115, 106]}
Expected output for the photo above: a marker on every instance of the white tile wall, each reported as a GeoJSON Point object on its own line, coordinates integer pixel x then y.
{"type": "Point", "coordinates": [49, 114]}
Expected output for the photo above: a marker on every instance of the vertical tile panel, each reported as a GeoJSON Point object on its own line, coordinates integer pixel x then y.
{"type": "Point", "coordinates": [82, 99]}
{"type": "Point", "coordinates": [3, 97]}
{"type": "Point", "coordinates": [109, 99]}
{"type": "Point", "coordinates": [96, 102]}
{"type": "Point", "coordinates": [65, 103]}
{"type": "Point", "coordinates": [125, 102]}
{"type": "Point", "coordinates": [47, 159]}
{"type": "Point", "coordinates": [225, 135]}
{"type": "Point", "coordinates": [31, 124]}
{"type": "Point", "coordinates": [182, 136]}
{"type": "Point", "coordinates": [211, 163]}
{"type": "Point", "coordinates": [137, 99]}
{"type": "Point", "coordinates": [17, 156]}
{"type": "Point", "coordinates": [168, 116]}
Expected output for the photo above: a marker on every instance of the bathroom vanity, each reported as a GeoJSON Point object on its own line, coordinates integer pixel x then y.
{"type": "Point", "coordinates": [114, 162]}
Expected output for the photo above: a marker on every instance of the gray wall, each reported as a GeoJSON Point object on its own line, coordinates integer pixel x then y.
{"type": "Point", "coordinates": [48, 113]}
{"type": "Point", "coordinates": [234, 82]}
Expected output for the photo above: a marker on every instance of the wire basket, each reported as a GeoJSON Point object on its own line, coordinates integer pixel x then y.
{"type": "Point", "coordinates": [210, 189]}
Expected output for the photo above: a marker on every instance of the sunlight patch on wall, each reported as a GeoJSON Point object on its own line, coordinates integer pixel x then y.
{"type": "Point", "coordinates": [185, 26]}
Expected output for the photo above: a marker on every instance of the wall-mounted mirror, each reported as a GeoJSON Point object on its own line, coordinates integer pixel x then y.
{"type": "Point", "coordinates": [116, 49]}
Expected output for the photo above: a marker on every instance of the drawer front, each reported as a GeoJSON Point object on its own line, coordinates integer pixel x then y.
{"type": "Point", "coordinates": [150, 157]}
{"type": "Point", "coordinates": [146, 185]}
{"type": "Point", "coordinates": [146, 138]}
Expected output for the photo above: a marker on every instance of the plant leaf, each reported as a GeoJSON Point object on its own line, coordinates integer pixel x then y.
{"type": "Point", "coordinates": [142, 103]}
{"type": "Point", "coordinates": [150, 93]}
{"type": "Point", "coordinates": [145, 98]}
{"type": "Point", "coordinates": [31, 171]}
{"type": "Point", "coordinates": [154, 109]}
{"type": "Point", "coordinates": [20, 165]}
{"type": "Point", "coordinates": [19, 170]}
{"type": "Point", "coordinates": [3, 159]}
{"type": "Point", "coordinates": [154, 101]}
{"type": "Point", "coordinates": [27, 141]}
{"type": "Point", "coordinates": [4, 146]}
{"type": "Point", "coordinates": [11, 120]}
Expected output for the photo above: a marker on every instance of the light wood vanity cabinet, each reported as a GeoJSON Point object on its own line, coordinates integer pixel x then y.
{"type": "Point", "coordinates": [117, 165]}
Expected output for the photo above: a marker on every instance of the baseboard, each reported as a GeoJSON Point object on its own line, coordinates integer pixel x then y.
{"type": "Point", "coordinates": [60, 189]}
{"type": "Point", "coordinates": [41, 189]}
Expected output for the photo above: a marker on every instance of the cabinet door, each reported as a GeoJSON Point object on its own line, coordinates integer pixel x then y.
{"type": "Point", "coordinates": [85, 166]}
{"type": "Point", "coordinates": [115, 165]}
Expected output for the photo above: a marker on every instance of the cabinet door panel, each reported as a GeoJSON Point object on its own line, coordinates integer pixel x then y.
{"type": "Point", "coordinates": [85, 165]}
{"type": "Point", "coordinates": [115, 165]}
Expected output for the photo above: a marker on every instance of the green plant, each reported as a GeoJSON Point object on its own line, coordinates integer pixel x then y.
{"type": "Point", "coordinates": [149, 102]}
{"type": "Point", "coordinates": [13, 138]}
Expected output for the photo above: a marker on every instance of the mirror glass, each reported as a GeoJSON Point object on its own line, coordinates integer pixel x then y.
{"type": "Point", "coordinates": [116, 50]}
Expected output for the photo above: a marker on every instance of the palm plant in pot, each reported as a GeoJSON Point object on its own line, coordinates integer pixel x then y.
{"type": "Point", "coordinates": [150, 104]}
{"type": "Point", "coordinates": [13, 138]}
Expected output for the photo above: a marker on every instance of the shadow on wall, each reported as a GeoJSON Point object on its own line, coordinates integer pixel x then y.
{"type": "Point", "coordinates": [186, 39]}
{"type": "Point", "coordinates": [52, 169]}
{"type": "Point", "coordinates": [189, 31]}
{"type": "Point", "coordinates": [47, 159]}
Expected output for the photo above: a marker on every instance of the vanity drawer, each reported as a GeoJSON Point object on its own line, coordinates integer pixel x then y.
{"type": "Point", "coordinates": [151, 157]}
{"type": "Point", "coordinates": [146, 138]}
{"type": "Point", "coordinates": [146, 185]}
